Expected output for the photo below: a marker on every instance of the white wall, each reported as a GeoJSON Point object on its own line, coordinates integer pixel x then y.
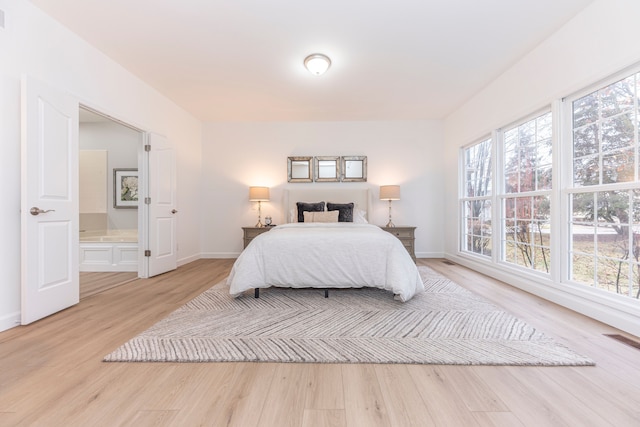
{"type": "Point", "coordinates": [216, 167]}
{"type": "Point", "coordinates": [238, 155]}
{"type": "Point", "coordinates": [601, 40]}
{"type": "Point", "coordinates": [122, 145]}
{"type": "Point", "coordinates": [92, 184]}
{"type": "Point", "coordinates": [34, 44]}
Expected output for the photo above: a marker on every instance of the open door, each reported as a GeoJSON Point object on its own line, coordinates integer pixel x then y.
{"type": "Point", "coordinates": [49, 219]}
{"type": "Point", "coordinates": [162, 254]}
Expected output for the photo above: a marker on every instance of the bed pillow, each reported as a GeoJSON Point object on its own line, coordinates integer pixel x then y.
{"type": "Point", "coordinates": [331, 216]}
{"type": "Point", "coordinates": [360, 216]}
{"type": "Point", "coordinates": [308, 207]}
{"type": "Point", "coordinates": [345, 209]}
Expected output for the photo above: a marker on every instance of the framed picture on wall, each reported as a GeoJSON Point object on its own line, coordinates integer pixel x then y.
{"type": "Point", "coordinates": [125, 188]}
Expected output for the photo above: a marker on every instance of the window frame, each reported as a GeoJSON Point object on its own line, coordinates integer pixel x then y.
{"type": "Point", "coordinates": [557, 280]}
{"type": "Point", "coordinates": [463, 198]}
{"type": "Point", "coordinates": [501, 194]}
{"type": "Point", "coordinates": [569, 188]}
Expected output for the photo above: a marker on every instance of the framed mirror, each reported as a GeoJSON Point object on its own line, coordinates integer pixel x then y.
{"type": "Point", "coordinates": [326, 169]}
{"type": "Point", "coordinates": [299, 169]}
{"type": "Point", "coordinates": [354, 168]}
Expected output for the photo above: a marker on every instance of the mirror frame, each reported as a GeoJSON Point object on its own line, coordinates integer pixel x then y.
{"type": "Point", "coordinates": [290, 161]}
{"type": "Point", "coordinates": [316, 168]}
{"type": "Point", "coordinates": [361, 178]}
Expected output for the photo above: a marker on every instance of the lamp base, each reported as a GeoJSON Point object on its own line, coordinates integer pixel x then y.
{"type": "Point", "coordinates": [390, 224]}
{"type": "Point", "coordinates": [259, 224]}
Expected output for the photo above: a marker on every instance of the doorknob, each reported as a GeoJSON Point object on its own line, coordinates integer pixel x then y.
{"type": "Point", "coordinates": [36, 211]}
{"type": "Point", "coordinates": [174, 211]}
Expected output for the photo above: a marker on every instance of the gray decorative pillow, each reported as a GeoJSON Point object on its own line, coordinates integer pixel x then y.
{"type": "Point", "coordinates": [345, 209]}
{"type": "Point", "coordinates": [308, 207]}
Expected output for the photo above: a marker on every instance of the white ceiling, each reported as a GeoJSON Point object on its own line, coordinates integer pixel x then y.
{"type": "Point", "coordinates": [226, 60]}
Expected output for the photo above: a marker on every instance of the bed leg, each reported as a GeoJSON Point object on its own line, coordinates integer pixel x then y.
{"type": "Point", "coordinates": [256, 293]}
{"type": "Point", "coordinates": [326, 293]}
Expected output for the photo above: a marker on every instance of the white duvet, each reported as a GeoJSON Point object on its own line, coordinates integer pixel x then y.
{"type": "Point", "coordinates": [326, 255]}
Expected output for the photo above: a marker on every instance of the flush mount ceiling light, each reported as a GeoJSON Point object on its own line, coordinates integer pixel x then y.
{"type": "Point", "coordinates": [317, 63]}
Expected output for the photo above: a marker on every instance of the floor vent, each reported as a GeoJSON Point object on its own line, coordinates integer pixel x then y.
{"type": "Point", "coordinates": [625, 340]}
{"type": "Point", "coordinates": [446, 261]}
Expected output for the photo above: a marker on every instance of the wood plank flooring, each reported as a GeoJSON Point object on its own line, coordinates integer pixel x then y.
{"type": "Point", "coordinates": [51, 373]}
{"type": "Point", "coordinates": [92, 283]}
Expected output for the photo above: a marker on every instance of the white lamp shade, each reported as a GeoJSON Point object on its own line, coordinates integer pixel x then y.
{"type": "Point", "coordinates": [258, 194]}
{"type": "Point", "coordinates": [317, 63]}
{"type": "Point", "coordinates": [389, 192]}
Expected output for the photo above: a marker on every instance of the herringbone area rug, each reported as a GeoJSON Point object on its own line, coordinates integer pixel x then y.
{"type": "Point", "coordinates": [444, 325]}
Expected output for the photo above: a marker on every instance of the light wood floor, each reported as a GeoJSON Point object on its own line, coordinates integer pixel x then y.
{"type": "Point", "coordinates": [51, 373]}
{"type": "Point", "coordinates": [92, 283]}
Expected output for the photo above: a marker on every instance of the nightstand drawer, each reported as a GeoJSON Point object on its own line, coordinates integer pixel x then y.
{"type": "Point", "coordinates": [401, 233]}
{"type": "Point", "coordinates": [252, 232]}
{"type": "Point", "coordinates": [408, 244]}
{"type": "Point", "coordinates": [406, 235]}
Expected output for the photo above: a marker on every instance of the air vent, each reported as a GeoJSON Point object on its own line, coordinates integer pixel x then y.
{"type": "Point", "coordinates": [624, 340]}
{"type": "Point", "coordinates": [446, 261]}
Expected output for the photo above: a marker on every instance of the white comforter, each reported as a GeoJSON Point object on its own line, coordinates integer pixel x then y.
{"type": "Point", "coordinates": [326, 255]}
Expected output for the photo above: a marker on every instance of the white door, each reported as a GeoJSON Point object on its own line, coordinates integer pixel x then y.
{"type": "Point", "coordinates": [49, 207]}
{"type": "Point", "coordinates": [162, 206]}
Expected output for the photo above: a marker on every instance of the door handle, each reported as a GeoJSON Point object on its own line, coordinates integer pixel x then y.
{"type": "Point", "coordinates": [37, 211]}
{"type": "Point", "coordinates": [173, 211]}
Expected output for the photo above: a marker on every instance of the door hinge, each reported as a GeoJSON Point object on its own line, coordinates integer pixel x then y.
{"type": "Point", "coordinates": [147, 252]}
{"type": "Point", "coordinates": [147, 200]}
{"type": "Point", "coordinates": [147, 147]}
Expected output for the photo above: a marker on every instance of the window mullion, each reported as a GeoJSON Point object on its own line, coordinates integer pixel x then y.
{"type": "Point", "coordinates": [630, 247]}
{"type": "Point", "coordinates": [559, 202]}
{"type": "Point", "coordinates": [498, 189]}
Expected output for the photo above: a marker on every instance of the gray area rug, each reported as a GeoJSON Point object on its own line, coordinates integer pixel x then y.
{"type": "Point", "coordinates": [444, 325]}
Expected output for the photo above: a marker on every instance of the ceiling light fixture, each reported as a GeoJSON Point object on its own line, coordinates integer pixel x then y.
{"type": "Point", "coordinates": [317, 63]}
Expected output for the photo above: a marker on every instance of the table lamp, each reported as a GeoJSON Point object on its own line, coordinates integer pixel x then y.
{"type": "Point", "coordinates": [390, 192]}
{"type": "Point", "coordinates": [259, 194]}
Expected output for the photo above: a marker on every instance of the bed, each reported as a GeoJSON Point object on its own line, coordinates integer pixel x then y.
{"type": "Point", "coordinates": [326, 255]}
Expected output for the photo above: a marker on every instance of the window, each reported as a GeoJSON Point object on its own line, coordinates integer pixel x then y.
{"type": "Point", "coordinates": [476, 202]}
{"type": "Point", "coordinates": [604, 200]}
{"type": "Point", "coordinates": [600, 188]}
{"type": "Point", "coordinates": [526, 196]}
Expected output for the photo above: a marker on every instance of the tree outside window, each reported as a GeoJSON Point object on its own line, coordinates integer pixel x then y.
{"type": "Point", "coordinates": [526, 203]}
{"type": "Point", "coordinates": [476, 203]}
{"type": "Point", "coordinates": [605, 200]}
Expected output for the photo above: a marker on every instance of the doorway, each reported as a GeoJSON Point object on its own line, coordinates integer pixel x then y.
{"type": "Point", "coordinates": [50, 201]}
{"type": "Point", "coordinates": [108, 216]}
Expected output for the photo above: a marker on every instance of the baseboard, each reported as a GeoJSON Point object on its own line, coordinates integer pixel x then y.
{"type": "Point", "coordinates": [224, 255]}
{"type": "Point", "coordinates": [227, 255]}
{"type": "Point", "coordinates": [10, 321]}
{"type": "Point", "coordinates": [429, 254]}
{"type": "Point", "coordinates": [625, 317]}
{"type": "Point", "coordinates": [189, 259]}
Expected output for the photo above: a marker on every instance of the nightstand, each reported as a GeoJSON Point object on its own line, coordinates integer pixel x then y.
{"type": "Point", "coordinates": [406, 236]}
{"type": "Point", "coordinates": [251, 232]}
